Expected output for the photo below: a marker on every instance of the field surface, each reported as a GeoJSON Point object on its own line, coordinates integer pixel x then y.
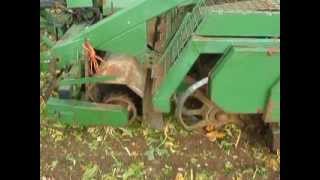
{"type": "Point", "coordinates": [137, 152]}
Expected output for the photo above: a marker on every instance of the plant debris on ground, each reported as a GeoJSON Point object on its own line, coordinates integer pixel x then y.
{"type": "Point", "coordinates": [137, 152]}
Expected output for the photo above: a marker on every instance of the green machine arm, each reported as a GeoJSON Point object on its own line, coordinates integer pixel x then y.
{"type": "Point", "coordinates": [124, 32]}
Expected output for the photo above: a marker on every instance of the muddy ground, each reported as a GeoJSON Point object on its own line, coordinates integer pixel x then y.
{"type": "Point", "coordinates": [141, 153]}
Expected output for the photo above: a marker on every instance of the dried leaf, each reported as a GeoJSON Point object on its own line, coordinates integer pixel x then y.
{"type": "Point", "coordinates": [179, 176]}
{"type": "Point", "coordinates": [214, 135]}
{"type": "Point", "coordinates": [273, 164]}
{"type": "Point", "coordinates": [168, 144]}
{"type": "Point", "coordinates": [209, 128]}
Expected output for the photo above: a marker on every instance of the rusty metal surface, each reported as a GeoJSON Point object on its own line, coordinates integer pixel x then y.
{"type": "Point", "coordinates": [162, 31]}
{"type": "Point", "coordinates": [162, 28]}
{"type": "Point", "coordinates": [124, 101]}
{"type": "Point", "coordinates": [126, 70]}
{"type": "Point", "coordinates": [157, 76]}
{"type": "Point", "coordinates": [252, 5]}
{"type": "Point", "coordinates": [151, 32]}
{"type": "Point", "coordinates": [151, 118]}
{"type": "Point", "coordinates": [267, 116]}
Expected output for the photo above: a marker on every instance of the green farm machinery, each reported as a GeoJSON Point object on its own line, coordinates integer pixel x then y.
{"type": "Point", "coordinates": [205, 61]}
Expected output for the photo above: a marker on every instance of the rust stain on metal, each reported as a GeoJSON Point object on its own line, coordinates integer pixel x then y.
{"type": "Point", "coordinates": [127, 71]}
{"type": "Point", "coordinates": [157, 76]}
{"type": "Point", "coordinates": [268, 113]}
{"type": "Point", "coordinates": [151, 31]}
{"type": "Point", "coordinates": [162, 33]}
{"type": "Point", "coordinates": [271, 51]}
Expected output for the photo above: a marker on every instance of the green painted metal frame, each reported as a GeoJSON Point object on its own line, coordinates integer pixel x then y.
{"type": "Point", "coordinates": [241, 80]}
{"type": "Point", "coordinates": [79, 3]}
{"type": "Point", "coordinates": [255, 24]}
{"type": "Point", "coordinates": [195, 47]}
{"type": "Point", "coordinates": [114, 28]}
{"type": "Point", "coordinates": [125, 32]}
{"type": "Point", "coordinates": [198, 44]}
{"type": "Point", "coordinates": [85, 80]}
{"type": "Point", "coordinates": [111, 6]}
{"type": "Point", "coordinates": [76, 112]}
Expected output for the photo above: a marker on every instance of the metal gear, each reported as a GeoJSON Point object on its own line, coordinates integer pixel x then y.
{"type": "Point", "coordinates": [207, 114]}
{"type": "Point", "coordinates": [124, 101]}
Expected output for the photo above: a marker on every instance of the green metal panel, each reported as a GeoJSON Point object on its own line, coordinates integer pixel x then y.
{"type": "Point", "coordinates": [240, 83]}
{"type": "Point", "coordinates": [85, 113]}
{"type": "Point", "coordinates": [70, 52]}
{"type": "Point", "coordinates": [112, 6]}
{"type": "Point", "coordinates": [132, 42]}
{"type": "Point", "coordinates": [79, 3]}
{"type": "Point", "coordinates": [188, 2]}
{"type": "Point", "coordinates": [174, 77]}
{"type": "Point", "coordinates": [240, 24]}
{"type": "Point", "coordinates": [219, 45]}
{"type": "Point", "coordinates": [85, 80]}
{"type": "Point", "coordinates": [121, 4]}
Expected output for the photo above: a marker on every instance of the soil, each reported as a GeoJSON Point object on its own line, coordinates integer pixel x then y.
{"type": "Point", "coordinates": [194, 153]}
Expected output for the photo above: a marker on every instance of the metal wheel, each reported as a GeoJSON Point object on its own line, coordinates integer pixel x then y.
{"type": "Point", "coordinates": [195, 110]}
{"type": "Point", "coordinates": [124, 101]}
